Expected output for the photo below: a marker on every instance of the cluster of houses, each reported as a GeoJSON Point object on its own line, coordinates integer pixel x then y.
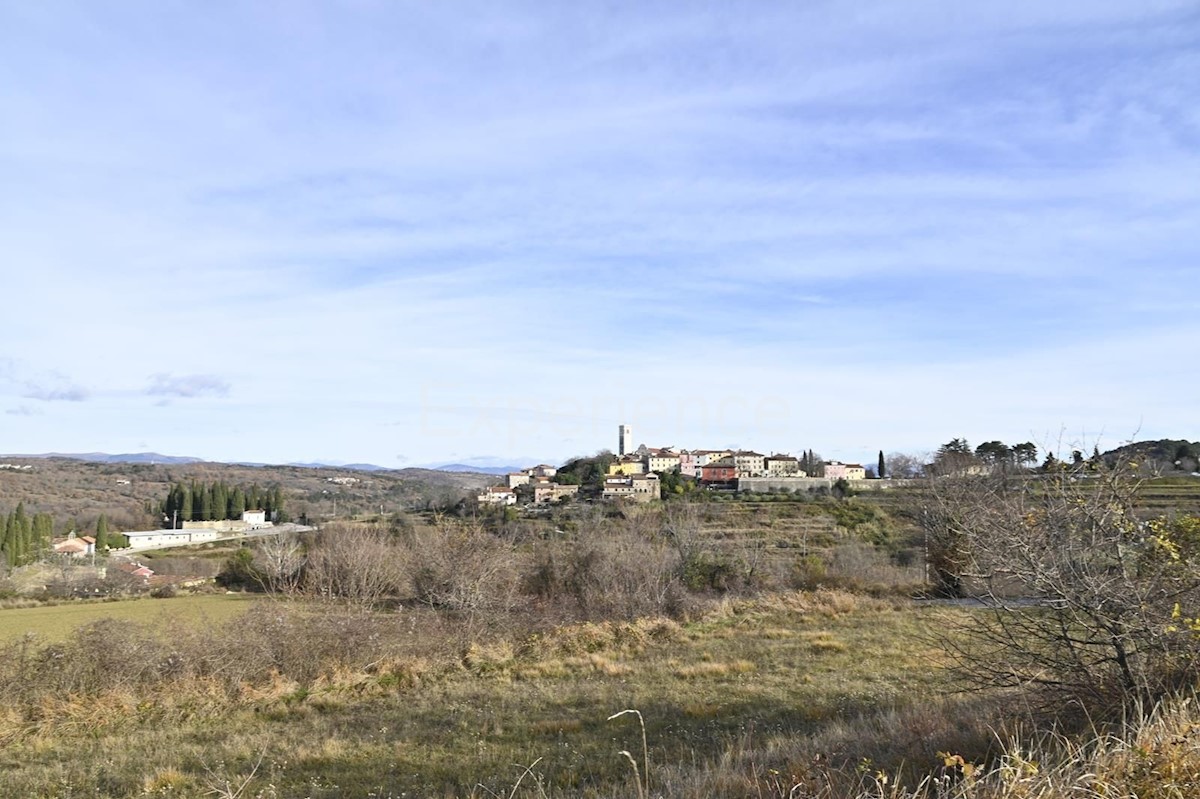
{"type": "Point", "coordinates": [542, 490]}
{"type": "Point", "coordinates": [634, 475]}
{"type": "Point", "coordinates": [720, 467]}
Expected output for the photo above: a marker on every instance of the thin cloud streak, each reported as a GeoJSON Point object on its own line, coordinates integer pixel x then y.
{"type": "Point", "coordinates": [901, 224]}
{"type": "Point", "coordinates": [187, 386]}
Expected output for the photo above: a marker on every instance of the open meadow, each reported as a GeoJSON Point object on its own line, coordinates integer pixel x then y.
{"type": "Point", "coordinates": [771, 646]}
{"type": "Point", "coordinates": [773, 682]}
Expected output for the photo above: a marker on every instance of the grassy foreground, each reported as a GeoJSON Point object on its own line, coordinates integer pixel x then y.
{"type": "Point", "coordinates": [814, 695]}
{"type": "Point", "coordinates": [773, 680]}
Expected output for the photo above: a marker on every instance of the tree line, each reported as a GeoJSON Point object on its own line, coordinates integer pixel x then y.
{"type": "Point", "coordinates": [206, 502]}
{"type": "Point", "coordinates": [26, 538]}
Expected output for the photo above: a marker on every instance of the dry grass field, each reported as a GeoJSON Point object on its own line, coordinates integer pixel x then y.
{"type": "Point", "coordinates": [770, 682]}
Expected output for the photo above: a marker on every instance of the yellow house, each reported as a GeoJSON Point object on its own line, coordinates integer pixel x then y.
{"type": "Point", "coordinates": [662, 462]}
{"type": "Point", "coordinates": [627, 466]}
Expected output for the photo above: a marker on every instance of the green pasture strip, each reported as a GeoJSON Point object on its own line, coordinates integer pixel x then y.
{"type": "Point", "coordinates": [57, 622]}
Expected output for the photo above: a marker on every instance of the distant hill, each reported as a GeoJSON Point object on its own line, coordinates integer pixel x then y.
{"type": "Point", "coordinates": [104, 457]}
{"type": "Point", "coordinates": [76, 491]}
{"type": "Point", "coordinates": [487, 465]}
{"type": "Point", "coordinates": [463, 467]}
{"type": "Point", "coordinates": [1166, 453]}
{"type": "Point", "coordinates": [168, 460]}
{"type": "Point", "coordinates": [357, 467]}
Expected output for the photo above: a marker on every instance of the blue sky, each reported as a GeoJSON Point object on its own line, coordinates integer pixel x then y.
{"type": "Point", "coordinates": [409, 233]}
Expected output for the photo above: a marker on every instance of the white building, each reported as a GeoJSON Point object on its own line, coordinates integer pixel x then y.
{"type": "Point", "coordinates": [783, 466]}
{"type": "Point", "coordinates": [254, 518]}
{"type": "Point", "coordinates": [749, 464]}
{"type": "Point", "coordinates": [76, 547]}
{"type": "Point", "coordinates": [497, 495]}
{"type": "Point", "coordinates": [152, 539]}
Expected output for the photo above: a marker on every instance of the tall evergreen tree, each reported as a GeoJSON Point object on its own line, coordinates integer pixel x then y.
{"type": "Point", "coordinates": [881, 471]}
{"type": "Point", "coordinates": [25, 532]}
{"type": "Point", "coordinates": [237, 503]}
{"type": "Point", "coordinates": [12, 541]}
{"type": "Point", "coordinates": [276, 504]}
{"type": "Point", "coordinates": [220, 501]}
{"type": "Point", "coordinates": [208, 510]}
{"type": "Point", "coordinates": [43, 533]}
{"type": "Point", "coordinates": [185, 504]}
{"type": "Point", "coordinates": [102, 533]}
{"type": "Point", "coordinates": [6, 527]}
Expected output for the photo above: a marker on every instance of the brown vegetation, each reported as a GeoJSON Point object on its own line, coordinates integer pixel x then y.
{"type": "Point", "coordinates": [77, 493]}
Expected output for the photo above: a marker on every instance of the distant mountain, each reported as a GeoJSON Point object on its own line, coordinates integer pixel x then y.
{"type": "Point", "coordinates": [104, 457]}
{"type": "Point", "coordinates": [487, 464]}
{"type": "Point", "coordinates": [480, 465]}
{"type": "Point", "coordinates": [357, 467]}
{"type": "Point", "coordinates": [465, 467]}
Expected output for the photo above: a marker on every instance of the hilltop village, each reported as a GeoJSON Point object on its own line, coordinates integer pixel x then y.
{"type": "Point", "coordinates": [639, 474]}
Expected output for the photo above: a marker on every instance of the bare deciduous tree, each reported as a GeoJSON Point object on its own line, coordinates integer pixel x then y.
{"type": "Point", "coordinates": [354, 563]}
{"type": "Point", "coordinates": [461, 566]}
{"type": "Point", "coordinates": [1083, 594]}
{"type": "Point", "coordinates": [905, 465]}
{"type": "Point", "coordinates": [280, 560]}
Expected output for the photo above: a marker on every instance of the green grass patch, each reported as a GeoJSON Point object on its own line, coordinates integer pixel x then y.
{"type": "Point", "coordinates": [57, 622]}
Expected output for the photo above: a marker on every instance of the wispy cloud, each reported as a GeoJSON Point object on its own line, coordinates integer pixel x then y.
{"type": "Point", "coordinates": [850, 213]}
{"type": "Point", "coordinates": [189, 386]}
{"type": "Point", "coordinates": [23, 410]}
{"type": "Point", "coordinates": [57, 393]}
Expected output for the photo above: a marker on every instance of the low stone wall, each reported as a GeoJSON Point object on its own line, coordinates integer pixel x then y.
{"type": "Point", "coordinates": [761, 485]}
{"type": "Point", "coordinates": [221, 526]}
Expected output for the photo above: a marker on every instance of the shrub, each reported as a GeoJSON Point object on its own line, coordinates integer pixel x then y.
{"type": "Point", "coordinates": [610, 573]}
{"type": "Point", "coordinates": [461, 567]}
{"type": "Point", "coordinates": [355, 563]}
{"type": "Point", "coordinates": [1089, 601]}
{"type": "Point", "coordinates": [239, 572]}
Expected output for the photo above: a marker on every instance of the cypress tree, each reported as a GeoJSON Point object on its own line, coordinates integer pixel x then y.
{"type": "Point", "coordinates": [237, 503]}
{"type": "Point", "coordinates": [206, 503]}
{"type": "Point", "coordinates": [220, 500]}
{"type": "Point", "coordinates": [102, 533]}
{"type": "Point", "coordinates": [6, 527]}
{"type": "Point", "coordinates": [185, 505]}
{"type": "Point", "coordinates": [881, 472]}
{"type": "Point", "coordinates": [43, 532]}
{"type": "Point", "coordinates": [12, 542]}
{"type": "Point", "coordinates": [276, 504]}
{"type": "Point", "coordinates": [24, 533]}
